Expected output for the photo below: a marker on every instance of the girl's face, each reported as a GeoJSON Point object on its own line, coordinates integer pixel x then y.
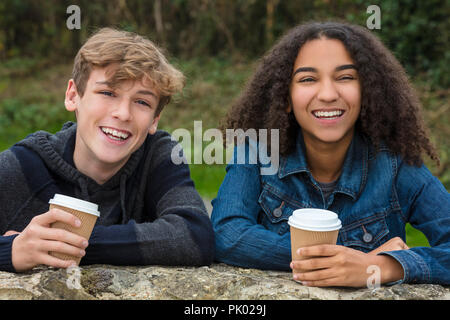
{"type": "Point", "coordinates": [325, 92]}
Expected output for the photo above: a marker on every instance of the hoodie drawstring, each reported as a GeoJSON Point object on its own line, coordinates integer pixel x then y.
{"type": "Point", "coordinates": [123, 186]}
{"type": "Point", "coordinates": [84, 189]}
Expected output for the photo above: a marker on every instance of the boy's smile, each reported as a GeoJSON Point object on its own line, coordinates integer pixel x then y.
{"type": "Point", "coordinates": [112, 123]}
{"type": "Point", "coordinates": [116, 135]}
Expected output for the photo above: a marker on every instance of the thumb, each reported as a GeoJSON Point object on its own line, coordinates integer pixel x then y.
{"type": "Point", "coordinates": [10, 233]}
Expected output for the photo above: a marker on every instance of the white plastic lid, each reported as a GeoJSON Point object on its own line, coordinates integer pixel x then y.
{"type": "Point", "coordinates": [314, 220]}
{"type": "Point", "coordinates": [75, 204]}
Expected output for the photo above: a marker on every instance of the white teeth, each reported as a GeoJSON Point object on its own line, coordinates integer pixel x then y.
{"type": "Point", "coordinates": [114, 134]}
{"type": "Point", "coordinates": [328, 114]}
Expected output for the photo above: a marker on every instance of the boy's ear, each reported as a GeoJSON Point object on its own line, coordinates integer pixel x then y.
{"type": "Point", "coordinates": [71, 96]}
{"type": "Point", "coordinates": [154, 125]}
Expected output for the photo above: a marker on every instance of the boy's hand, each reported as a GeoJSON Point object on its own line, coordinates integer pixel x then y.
{"type": "Point", "coordinates": [10, 233]}
{"type": "Point", "coordinates": [32, 246]}
{"type": "Point", "coordinates": [334, 265]}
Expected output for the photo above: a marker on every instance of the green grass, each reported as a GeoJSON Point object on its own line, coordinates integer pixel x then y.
{"type": "Point", "coordinates": [207, 178]}
{"type": "Point", "coordinates": [415, 238]}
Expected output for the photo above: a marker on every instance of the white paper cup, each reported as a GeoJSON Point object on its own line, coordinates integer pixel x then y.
{"type": "Point", "coordinates": [311, 227]}
{"type": "Point", "coordinates": [86, 211]}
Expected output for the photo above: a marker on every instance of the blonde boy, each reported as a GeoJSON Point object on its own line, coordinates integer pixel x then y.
{"type": "Point", "coordinates": [113, 156]}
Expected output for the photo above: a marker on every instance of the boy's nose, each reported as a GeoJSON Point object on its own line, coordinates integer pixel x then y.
{"type": "Point", "coordinates": [122, 111]}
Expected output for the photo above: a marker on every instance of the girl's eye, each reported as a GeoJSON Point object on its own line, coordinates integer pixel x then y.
{"type": "Point", "coordinates": [309, 79]}
{"type": "Point", "coordinates": [346, 78]}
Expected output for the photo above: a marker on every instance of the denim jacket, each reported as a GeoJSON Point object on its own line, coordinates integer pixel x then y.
{"type": "Point", "coordinates": [375, 196]}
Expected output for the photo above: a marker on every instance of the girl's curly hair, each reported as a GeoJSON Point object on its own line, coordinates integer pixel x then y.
{"type": "Point", "coordinates": [390, 109]}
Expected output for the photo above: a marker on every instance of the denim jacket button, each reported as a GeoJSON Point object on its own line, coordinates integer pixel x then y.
{"type": "Point", "coordinates": [277, 213]}
{"type": "Point", "coordinates": [367, 237]}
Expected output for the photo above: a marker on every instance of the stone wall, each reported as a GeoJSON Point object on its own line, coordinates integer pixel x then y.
{"type": "Point", "coordinates": [218, 281]}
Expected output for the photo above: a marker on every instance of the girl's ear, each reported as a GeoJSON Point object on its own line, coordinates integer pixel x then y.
{"type": "Point", "coordinates": [289, 106]}
{"type": "Point", "coordinates": [71, 96]}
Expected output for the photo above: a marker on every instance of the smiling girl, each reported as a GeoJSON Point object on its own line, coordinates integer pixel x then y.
{"type": "Point", "coordinates": [351, 141]}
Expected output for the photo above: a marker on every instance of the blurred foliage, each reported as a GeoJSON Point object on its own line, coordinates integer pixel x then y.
{"type": "Point", "coordinates": [416, 31]}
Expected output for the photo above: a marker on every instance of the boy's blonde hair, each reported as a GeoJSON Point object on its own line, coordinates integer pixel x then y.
{"type": "Point", "coordinates": [137, 58]}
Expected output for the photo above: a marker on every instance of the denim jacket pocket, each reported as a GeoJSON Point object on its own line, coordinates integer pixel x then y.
{"type": "Point", "coordinates": [366, 234]}
{"type": "Point", "coordinates": [276, 210]}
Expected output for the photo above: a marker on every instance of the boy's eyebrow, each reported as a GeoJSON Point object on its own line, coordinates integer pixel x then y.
{"type": "Point", "coordinates": [103, 82]}
{"type": "Point", "coordinates": [310, 69]}
{"type": "Point", "coordinates": [146, 92]}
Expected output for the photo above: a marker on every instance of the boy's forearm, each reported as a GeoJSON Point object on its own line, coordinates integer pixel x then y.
{"type": "Point", "coordinates": [166, 241]}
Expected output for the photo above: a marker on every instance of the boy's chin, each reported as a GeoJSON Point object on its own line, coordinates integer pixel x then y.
{"type": "Point", "coordinates": [113, 159]}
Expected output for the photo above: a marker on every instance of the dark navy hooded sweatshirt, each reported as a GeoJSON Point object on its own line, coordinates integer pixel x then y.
{"type": "Point", "coordinates": [150, 212]}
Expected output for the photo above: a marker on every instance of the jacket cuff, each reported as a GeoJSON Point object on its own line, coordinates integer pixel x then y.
{"type": "Point", "coordinates": [5, 253]}
{"type": "Point", "coordinates": [415, 269]}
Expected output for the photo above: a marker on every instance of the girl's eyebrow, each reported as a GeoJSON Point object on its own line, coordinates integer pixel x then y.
{"type": "Point", "coordinates": [345, 66]}
{"type": "Point", "coordinates": [304, 69]}
{"type": "Point", "coordinates": [310, 69]}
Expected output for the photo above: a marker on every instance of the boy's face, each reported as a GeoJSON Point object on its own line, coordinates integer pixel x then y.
{"type": "Point", "coordinates": [111, 123]}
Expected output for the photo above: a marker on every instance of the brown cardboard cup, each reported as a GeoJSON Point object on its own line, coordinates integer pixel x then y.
{"type": "Point", "coordinates": [86, 211]}
{"type": "Point", "coordinates": [311, 227]}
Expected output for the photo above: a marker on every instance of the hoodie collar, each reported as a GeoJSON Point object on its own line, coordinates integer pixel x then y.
{"type": "Point", "coordinates": [354, 171]}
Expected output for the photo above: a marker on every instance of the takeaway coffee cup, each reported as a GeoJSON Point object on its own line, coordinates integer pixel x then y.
{"type": "Point", "coordinates": [312, 227]}
{"type": "Point", "coordinates": [86, 211]}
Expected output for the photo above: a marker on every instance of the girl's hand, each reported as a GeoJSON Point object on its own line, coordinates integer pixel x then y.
{"type": "Point", "coordinates": [391, 245]}
{"type": "Point", "coordinates": [333, 265]}
{"type": "Point", "coordinates": [32, 246]}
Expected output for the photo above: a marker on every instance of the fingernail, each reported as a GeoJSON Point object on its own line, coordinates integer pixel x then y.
{"type": "Point", "coordinates": [77, 223]}
{"type": "Point", "coordinates": [82, 252]}
{"type": "Point", "coordinates": [85, 243]}
{"type": "Point", "coordinates": [299, 251]}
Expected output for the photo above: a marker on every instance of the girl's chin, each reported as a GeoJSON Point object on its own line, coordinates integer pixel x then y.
{"type": "Point", "coordinates": [331, 137]}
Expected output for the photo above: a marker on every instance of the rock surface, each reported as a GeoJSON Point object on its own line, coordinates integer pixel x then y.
{"type": "Point", "coordinates": [218, 281]}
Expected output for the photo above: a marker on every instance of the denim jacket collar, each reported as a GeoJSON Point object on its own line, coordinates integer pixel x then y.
{"type": "Point", "coordinates": [354, 172]}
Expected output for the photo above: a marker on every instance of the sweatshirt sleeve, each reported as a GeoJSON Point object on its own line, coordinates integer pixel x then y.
{"type": "Point", "coordinates": [181, 234]}
{"type": "Point", "coordinates": [5, 253]}
{"type": "Point", "coordinates": [427, 206]}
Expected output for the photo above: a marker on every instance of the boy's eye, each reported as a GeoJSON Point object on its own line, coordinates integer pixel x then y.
{"type": "Point", "coordinates": [107, 93]}
{"type": "Point", "coordinates": [143, 103]}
